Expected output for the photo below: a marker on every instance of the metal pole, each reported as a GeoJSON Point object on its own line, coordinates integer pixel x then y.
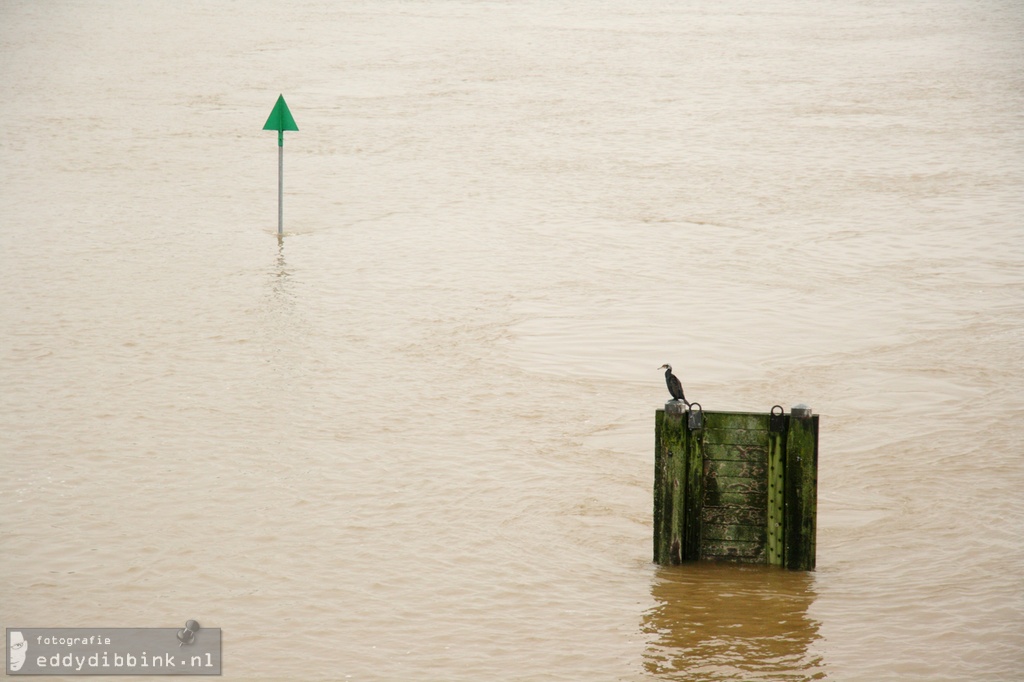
{"type": "Point", "coordinates": [280, 183]}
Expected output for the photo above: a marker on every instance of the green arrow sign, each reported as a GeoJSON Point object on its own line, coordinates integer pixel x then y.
{"type": "Point", "coordinates": [280, 120]}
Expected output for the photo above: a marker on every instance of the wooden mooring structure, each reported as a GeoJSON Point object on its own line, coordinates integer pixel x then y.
{"type": "Point", "coordinates": [735, 486]}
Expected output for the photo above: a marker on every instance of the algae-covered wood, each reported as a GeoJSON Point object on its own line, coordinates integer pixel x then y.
{"type": "Point", "coordinates": [734, 515]}
{"type": "Point", "coordinates": [723, 492]}
{"type": "Point", "coordinates": [801, 492]}
{"type": "Point", "coordinates": [735, 451]}
{"type": "Point", "coordinates": [669, 487]}
{"type": "Point", "coordinates": [735, 465]}
{"type": "Point", "coordinates": [692, 535]}
{"type": "Point", "coordinates": [776, 499]}
{"type": "Point", "coordinates": [727, 436]}
{"type": "Point", "coordinates": [732, 550]}
{"type": "Point", "coordinates": [732, 468]}
{"type": "Point", "coordinates": [735, 421]}
{"type": "Point", "coordinates": [734, 532]}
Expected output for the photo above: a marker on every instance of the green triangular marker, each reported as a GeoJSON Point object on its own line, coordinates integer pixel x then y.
{"type": "Point", "coordinates": [280, 120]}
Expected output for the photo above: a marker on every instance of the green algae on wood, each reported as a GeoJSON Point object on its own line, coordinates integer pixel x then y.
{"type": "Point", "coordinates": [801, 492]}
{"type": "Point", "coordinates": [723, 492]}
{"type": "Point", "coordinates": [776, 499]}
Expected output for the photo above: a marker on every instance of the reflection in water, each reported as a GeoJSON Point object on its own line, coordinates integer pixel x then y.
{"type": "Point", "coordinates": [281, 272]}
{"type": "Point", "coordinates": [281, 327]}
{"type": "Point", "coordinates": [726, 622]}
{"type": "Point", "coordinates": [281, 304]}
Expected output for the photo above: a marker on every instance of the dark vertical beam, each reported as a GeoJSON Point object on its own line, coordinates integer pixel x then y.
{"type": "Point", "coordinates": [694, 500]}
{"type": "Point", "coordinates": [776, 497]}
{"type": "Point", "coordinates": [669, 486]}
{"type": "Point", "coordinates": [662, 486]}
{"type": "Point", "coordinates": [801, 489]}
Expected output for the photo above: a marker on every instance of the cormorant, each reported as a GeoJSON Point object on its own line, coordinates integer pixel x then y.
{"type": "Point", "coordinates": [674, 387]}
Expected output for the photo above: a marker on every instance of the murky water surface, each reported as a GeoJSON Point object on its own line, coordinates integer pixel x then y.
{"type": "Point", "coordinates": [413, 439]}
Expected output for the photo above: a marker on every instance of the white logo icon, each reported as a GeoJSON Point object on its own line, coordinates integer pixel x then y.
{"type": "Point", "coordinates": [19, 649]}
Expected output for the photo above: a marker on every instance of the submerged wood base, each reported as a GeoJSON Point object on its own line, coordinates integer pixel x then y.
{"type": "Point", "coordinates": [735, 490]}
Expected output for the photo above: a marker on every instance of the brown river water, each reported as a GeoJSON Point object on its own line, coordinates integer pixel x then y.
{"type": "Point", "coordinates": [413, 438]}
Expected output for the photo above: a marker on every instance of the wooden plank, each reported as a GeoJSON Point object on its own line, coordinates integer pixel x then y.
{"type": "Point", "coordinates": [733, 532]}
{"type": "Point", "coordinates": [725, 436]}
{"type": "Point", "coordinates": [669, 488]}
{"type": "Point", "coordinates": [757, 452]}
{"type": "Point", "coordinates": [746, 552]}
{"type": "Point", "coordinates": [735, 484]}
{"type": "Point", "coordinates": [801, 490]}
{"type": "Point", "coordinates": [663, 493]}
{"type": "Point", "coordinates": [720, 498]}
{"type": "Point", "coordinates": [724, 491]}
{"type": "Point", "coordinates": [658, 488]}
{"type": "Point", "coordinates": [694, 493]}
{"type": "Point", "coordinates": [727, 468]}
{"type": "Point", "coordinates": [736, 420]}
{"type": "Point", "coordinates": [744, 516]}
{"type": "Point", "coordinates": [776, 499]}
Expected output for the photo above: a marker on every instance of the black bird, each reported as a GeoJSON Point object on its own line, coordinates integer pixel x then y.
{"type": "Point", "coordinates": [674, 387]}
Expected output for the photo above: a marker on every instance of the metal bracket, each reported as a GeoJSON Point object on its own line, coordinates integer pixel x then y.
{"type": "Point", "coordinates": [777, 422]}
{"type": "Point", "coordinates": [695, 419]}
